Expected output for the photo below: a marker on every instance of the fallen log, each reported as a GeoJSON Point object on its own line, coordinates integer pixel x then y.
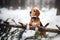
{"type": "Point", "coordinates": [16, 26]}
{"type": "Point", "coordinates": [52, 30]}
{"type": "Point", "coordinates": [24, 27]}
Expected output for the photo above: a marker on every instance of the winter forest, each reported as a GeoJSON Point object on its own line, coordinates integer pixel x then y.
{"type": "Point", "coordinates": [15, 18]}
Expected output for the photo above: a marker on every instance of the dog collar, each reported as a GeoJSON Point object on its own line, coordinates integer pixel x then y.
{"type": "Point", "coordinates": [35, 17]}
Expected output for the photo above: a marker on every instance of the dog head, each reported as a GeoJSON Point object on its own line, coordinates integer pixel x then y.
{"type": "Point", "coordinates": [34, 12]}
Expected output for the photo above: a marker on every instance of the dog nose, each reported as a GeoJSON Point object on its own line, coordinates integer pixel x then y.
{"type": "Point", "coordinates": [30, 12]}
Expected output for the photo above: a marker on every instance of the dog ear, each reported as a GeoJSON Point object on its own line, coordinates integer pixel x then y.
{"type": "Point", "coordinates": [37, 12]}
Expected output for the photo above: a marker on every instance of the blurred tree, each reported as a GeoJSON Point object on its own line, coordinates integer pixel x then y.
{"type": "Point", "coordinates": [57, 5]}
{"type": "Point", "coordinates": [22, 4]}
{"type": "Point", "coordinates": [14, 3]}
{"type": "Point", "coordinates": [40, 2]}
{"type": "Point", "coordinates": [4, 3]}
{"type": "Point", "coordinates": [32, 3]}
{"type": "Point", "coordinates": [1, 3]}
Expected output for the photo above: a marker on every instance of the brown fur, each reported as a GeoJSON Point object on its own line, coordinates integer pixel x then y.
{"type": "Point", "coordinates": [36, 21]}
{"type": "Point", "coordinates": [35, 12]}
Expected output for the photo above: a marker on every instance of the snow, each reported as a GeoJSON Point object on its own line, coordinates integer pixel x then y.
{"type": "Point", "coordinates": [28, 33]}
{"type": "Point", "coordinates": [18, 15]}
{"type": "Point", "coordinates": [47, 15]}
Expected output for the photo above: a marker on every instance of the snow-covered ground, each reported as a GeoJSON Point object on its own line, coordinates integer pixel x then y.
{"type": "Point", "coordinates": [47, 15]}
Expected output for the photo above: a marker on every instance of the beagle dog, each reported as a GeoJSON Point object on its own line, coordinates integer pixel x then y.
{"type": "Point", "coordinates": [35, 22]}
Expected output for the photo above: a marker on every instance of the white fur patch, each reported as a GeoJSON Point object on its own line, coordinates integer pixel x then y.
{"type": "Point", "coordinates": [34, 24]}
{"type": "Point", "coordinates": [36, 8]}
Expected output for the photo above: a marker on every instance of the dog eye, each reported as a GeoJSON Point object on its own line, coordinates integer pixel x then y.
{"type": "Point", "coordinates": [34, 10]}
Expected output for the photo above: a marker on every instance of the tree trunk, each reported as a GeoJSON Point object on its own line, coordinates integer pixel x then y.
{"type": "Point", "coordinates": [53, 30]}
{"type": "Point", "coordinates": [24, 27]}
{"type": "Point", "coordinates": [57, 5]}
{"type": "Point", "coordinates": [58, 11]}
{"type": "Point", "coordinates": [22, 4]}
